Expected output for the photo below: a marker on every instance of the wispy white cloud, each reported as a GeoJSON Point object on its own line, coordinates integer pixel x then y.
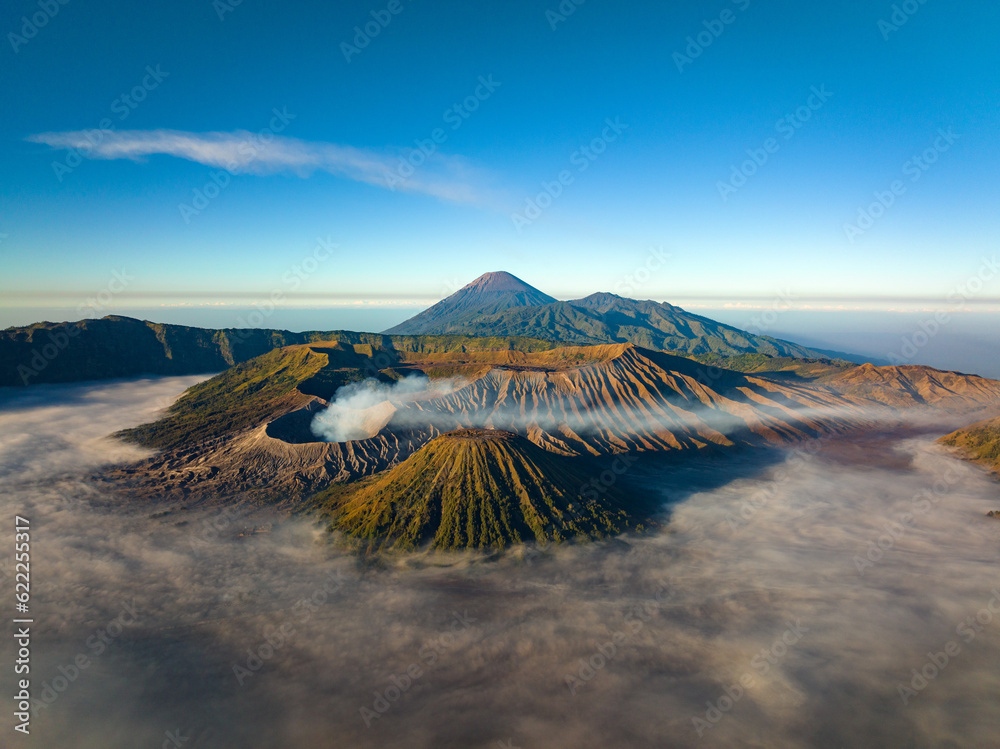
{"type": "Point", "coordinates": [448, 178]}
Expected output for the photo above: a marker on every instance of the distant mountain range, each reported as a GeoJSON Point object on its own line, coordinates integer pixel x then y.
{"type": "Point", "coordinates": [501, 304]}
{"type": "Point", "coordinates": [117, 346]}
{"type": "Point", "coordinates": [497, 311]}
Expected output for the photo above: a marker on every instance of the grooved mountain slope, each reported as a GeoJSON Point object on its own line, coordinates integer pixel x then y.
{"type": "Point", "coordinates": [636, 399]}
{"type": "Point", "coordinates": [913, 385]}
{"type": "Point", "coordinates": [476, 488]}
{"type": "Point", "coordinates": [590, 401]}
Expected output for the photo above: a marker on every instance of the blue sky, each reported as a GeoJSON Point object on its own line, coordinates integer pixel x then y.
{"type": "Point", "coordinates": [638, 117]}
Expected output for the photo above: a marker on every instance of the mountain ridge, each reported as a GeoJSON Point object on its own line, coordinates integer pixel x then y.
{"type": "Point", "coordinates": [601, 317]}
{"type": "Point", "coordinates": [120, 346]}
{"type": "Point", "coordinates": [979, 443]}
{"type": "Point", "coordinates": [246, 433]}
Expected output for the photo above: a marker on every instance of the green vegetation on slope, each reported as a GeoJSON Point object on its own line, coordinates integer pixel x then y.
{"type": "Point", "coordinates": [602, 318]}
{"type": "Point", "coordinates": [979, 441]}
{"type": "Point", "coordinates": [784, 366]}
{"type": "Point", "coordinates": [241, 397]}
{"type": "Point", "coordinates": [476, 489]}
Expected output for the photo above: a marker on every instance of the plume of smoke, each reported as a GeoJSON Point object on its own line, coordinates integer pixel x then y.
{"type": "Point", "coordinates": [361, 409]}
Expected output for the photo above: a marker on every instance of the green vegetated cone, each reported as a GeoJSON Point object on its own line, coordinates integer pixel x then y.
{"type": "Point", "coordinates": [481, 488]}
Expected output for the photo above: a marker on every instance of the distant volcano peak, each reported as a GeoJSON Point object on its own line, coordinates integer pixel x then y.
{"type": "Point", "coordinates": [490, 294]}
{"type": "Point", "coordinates": [500, 281]}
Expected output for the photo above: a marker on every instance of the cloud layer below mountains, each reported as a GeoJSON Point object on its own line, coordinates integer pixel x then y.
{"type": "Point", "coordinates": [752, 610]}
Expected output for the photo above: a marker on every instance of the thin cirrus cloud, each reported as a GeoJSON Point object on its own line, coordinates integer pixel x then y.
{"type": "Point", "coordinates": [448, 178]}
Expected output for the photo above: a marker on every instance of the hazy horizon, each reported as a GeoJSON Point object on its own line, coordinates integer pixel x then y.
{"type": "Point", "coordinates": [966, 343]}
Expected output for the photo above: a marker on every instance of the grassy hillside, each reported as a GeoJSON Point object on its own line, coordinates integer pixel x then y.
{"type": "Point", "coordinates": [476, 489]}
{"type": "Point", "coordinates": [784, 366]}
{"type": "Point", "coordinates": [241, 397]}
{"type": "Point", "coordinates": [979, 441]}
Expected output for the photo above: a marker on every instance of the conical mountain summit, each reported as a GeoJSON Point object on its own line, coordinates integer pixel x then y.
{"type": "Point", "coordinates": [490, 294]}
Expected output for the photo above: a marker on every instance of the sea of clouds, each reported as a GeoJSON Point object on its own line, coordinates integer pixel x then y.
{"type": "Point", "coordinates": [841, 594]}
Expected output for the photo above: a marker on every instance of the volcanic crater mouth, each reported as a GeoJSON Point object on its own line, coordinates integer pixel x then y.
{"type": "Point", "coordinates": [480, 435]}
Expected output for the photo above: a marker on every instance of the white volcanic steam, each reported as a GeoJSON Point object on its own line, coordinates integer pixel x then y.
{"type": "Point", "coordinates": [361, 409]}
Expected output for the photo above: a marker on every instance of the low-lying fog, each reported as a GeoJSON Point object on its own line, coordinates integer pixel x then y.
{"type": "Point", "coordinates": [763, 614]}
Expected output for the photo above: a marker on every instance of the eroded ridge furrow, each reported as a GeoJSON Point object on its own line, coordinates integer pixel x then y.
{"type": "Point", "coordinates": [616, 399]}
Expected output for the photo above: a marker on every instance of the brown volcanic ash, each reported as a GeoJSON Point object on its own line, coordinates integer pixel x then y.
{"type": "Point", "coordinates": [637, 400]}
{"type": "Point", "coordinates": [914, 386]}
{"type": "Point", "coordinates": [626, 400]}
